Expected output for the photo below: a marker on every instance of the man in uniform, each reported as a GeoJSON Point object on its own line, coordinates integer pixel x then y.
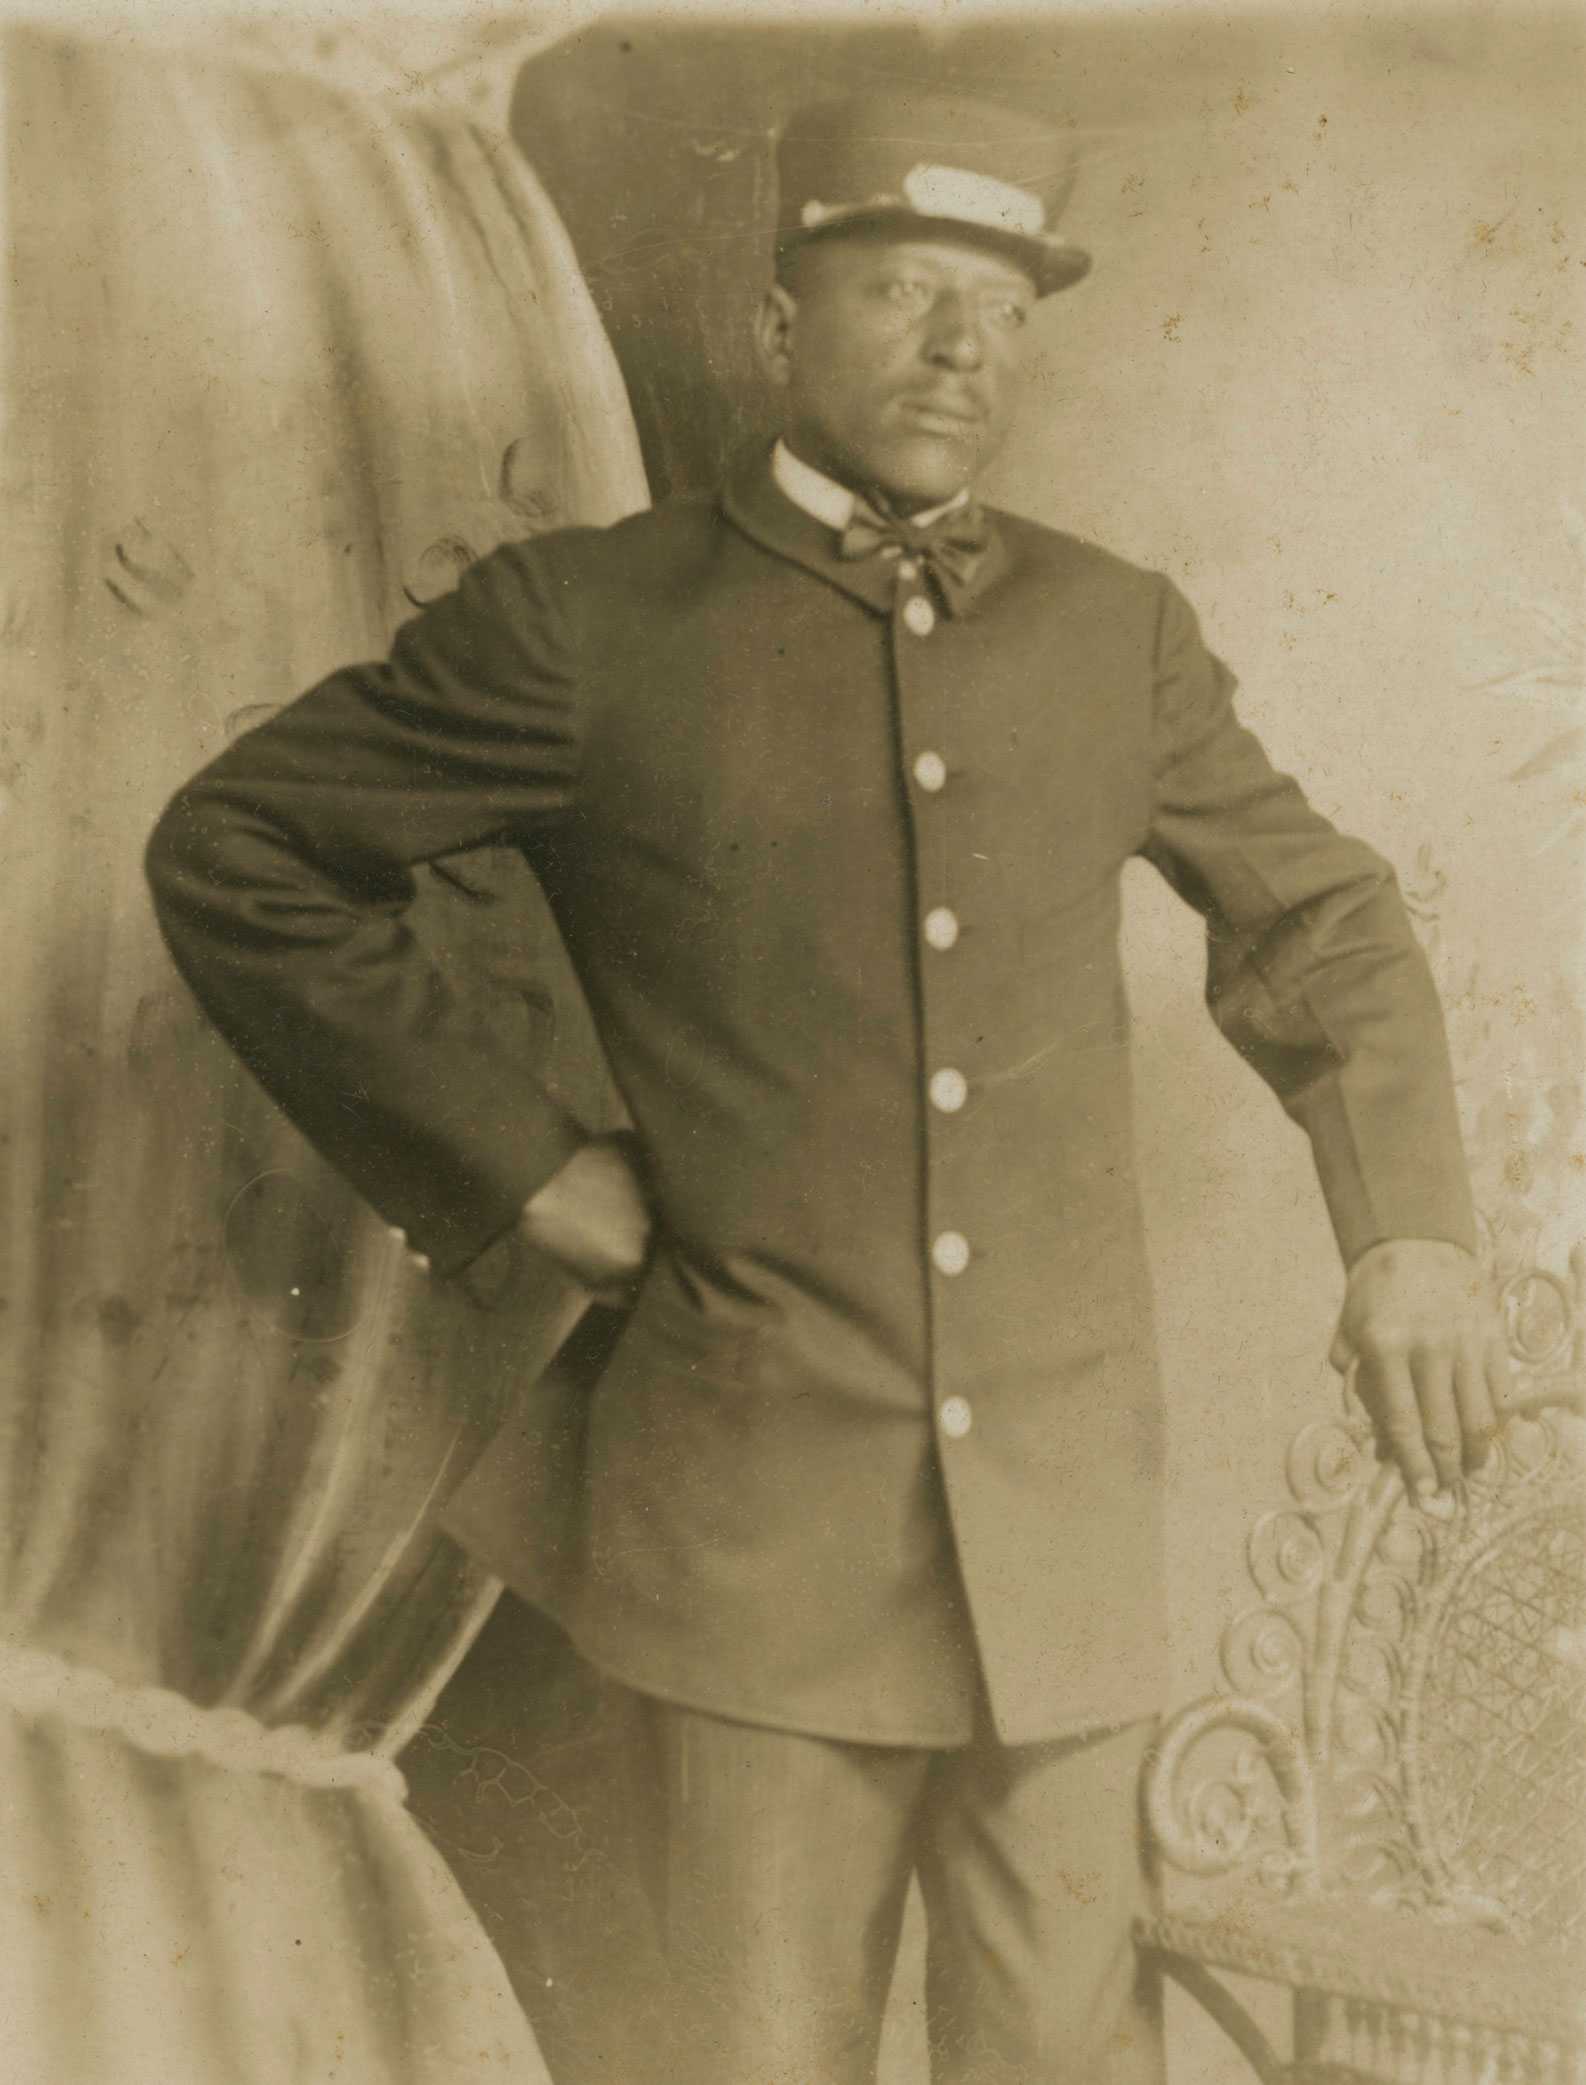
{"type": "Point", "coordinates": [829, 782]}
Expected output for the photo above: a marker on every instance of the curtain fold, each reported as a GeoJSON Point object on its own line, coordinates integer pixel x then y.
{"type": "Point", "coordinates": [275, 363]}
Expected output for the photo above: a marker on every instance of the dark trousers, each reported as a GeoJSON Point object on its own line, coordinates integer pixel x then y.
{"type": "Point", "coordinates": [781, 1865]}
{"type": "Point", "coordinates": [775, 1869]}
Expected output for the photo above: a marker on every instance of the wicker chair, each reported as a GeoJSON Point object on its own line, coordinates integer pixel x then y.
{"type": "Point", "coordinates": [1387, 1809]}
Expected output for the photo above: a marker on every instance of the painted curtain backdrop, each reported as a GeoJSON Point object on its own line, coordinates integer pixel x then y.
{"type": "Point", "coordinates": [275, 362]}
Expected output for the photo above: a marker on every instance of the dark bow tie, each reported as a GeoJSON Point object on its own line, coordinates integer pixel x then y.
{"type": "Point", "coordinates": [951, 548]}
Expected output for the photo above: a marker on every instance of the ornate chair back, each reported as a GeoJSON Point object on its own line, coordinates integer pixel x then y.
{"type": "Point", "coordinates": [1413, 1680]}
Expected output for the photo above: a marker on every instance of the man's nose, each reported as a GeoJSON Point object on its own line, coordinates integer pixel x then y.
{"type": "Point", "coordinates": [953, 337]}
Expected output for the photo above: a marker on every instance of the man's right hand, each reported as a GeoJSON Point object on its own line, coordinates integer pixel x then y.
{"type": "Point", "coordinates": [592, 1216]}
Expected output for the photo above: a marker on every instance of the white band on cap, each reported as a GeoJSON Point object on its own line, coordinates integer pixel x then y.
{"type": "Point", "coordinates": [951, 192]}
{"type": "Point", "coordinates": [937, 191]}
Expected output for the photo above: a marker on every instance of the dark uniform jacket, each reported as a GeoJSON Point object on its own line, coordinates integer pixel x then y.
{"type": "Point", "coordinates": [839, 876]}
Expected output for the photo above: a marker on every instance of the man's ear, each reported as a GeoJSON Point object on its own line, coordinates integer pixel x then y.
{"type": "Point", "coordinates": [773, 332]}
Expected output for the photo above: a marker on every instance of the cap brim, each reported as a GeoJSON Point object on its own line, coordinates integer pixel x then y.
{"type": "Point", "coordinates": [1051, 263]}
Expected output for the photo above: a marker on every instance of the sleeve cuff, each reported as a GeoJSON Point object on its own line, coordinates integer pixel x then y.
{"type": "Point", "coordinates": [453, 1233]}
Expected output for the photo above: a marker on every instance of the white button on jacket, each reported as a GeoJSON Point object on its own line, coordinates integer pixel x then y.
{"type": "Point", "coordinates": [950, 1253]}
{"type": "Point", "coordinates": [956, 1416]}
{"type": "Point", "coordinates": [949, 1090]}
{"type": "Point", "coordinates": [941, 927]}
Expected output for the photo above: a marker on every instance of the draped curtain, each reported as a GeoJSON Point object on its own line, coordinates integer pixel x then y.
{"type": "Point", "coordinates": [275, 363]}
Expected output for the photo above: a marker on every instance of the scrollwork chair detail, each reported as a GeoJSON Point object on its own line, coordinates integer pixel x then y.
{"type": "Point", "coordinates": [1389, 1802]}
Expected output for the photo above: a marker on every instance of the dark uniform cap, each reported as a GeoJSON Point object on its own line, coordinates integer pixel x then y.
{"type": "Point", "coordinates": [929, 165]}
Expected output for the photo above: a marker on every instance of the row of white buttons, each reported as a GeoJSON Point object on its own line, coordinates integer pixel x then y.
{"type": "Point", "coordinates": [949, 1089]}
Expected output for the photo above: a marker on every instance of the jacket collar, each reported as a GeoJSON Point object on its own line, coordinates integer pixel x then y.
{"type": "Point", "coordinates": [756, 504]}
{"type": "Point", "coordinates": [831, 502]}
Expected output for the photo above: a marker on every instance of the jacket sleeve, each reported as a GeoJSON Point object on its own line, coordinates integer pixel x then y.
{"type": "Point", "coordinates": [1313, 970]}
{"type": "Point", "coordinates": [282, 875]}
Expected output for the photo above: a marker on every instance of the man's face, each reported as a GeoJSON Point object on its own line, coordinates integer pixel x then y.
{"type": "Point", "coordinates": [900, 360]}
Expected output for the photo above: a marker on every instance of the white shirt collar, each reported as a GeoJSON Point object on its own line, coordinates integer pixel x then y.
{"type": "Point", "coordinates": [828, 501]}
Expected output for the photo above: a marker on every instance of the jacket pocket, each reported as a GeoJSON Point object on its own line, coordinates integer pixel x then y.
{"type": "Point", "coordinates": [680, 1326]}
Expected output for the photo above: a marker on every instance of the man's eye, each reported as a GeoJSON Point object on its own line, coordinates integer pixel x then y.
{"type": "Point", "coordinates": [909, 293]}
{"type": "Point", "coordinates": [1009, 313]}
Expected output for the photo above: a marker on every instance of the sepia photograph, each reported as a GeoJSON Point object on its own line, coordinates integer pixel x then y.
{"type": "Point", "coordinates": [792, 852]}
